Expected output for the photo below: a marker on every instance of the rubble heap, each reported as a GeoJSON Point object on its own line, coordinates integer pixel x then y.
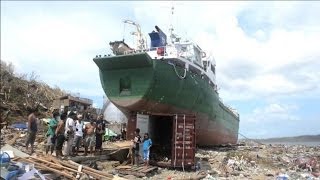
{"type": "Point", "coordinates": [263, 162]}
{"type": "Point", "coordinates": [21, 92]}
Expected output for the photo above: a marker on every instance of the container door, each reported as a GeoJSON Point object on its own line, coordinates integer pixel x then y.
{"type": "Point", "coordinates": [183, 141]}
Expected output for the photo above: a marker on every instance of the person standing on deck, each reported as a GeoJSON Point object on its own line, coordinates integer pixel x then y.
{"type": "Point", "coordinates": [147, 143]}
{"type": "Point", "coordinates": [136, 147]}
{"type": "Point", "coordinates": [100, 131]}
{"type": "Point", "coordinates": [70, 128]}
{"type": "Point", "coordinates": [90, 138]}
{"type": "Point", "coordinates": [78, 136]}
{"type": "Point", "coordinates": [60, 135]}
{"type": "Point", "coordinates": [32, 129]}
{"type": "Point", "coordinates": [51, 132]}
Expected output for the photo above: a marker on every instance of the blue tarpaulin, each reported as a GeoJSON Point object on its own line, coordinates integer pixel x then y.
{"type": "Point", "coordinates": [19, 125]}
{"type": "Point", "coordinates": [158, 39]}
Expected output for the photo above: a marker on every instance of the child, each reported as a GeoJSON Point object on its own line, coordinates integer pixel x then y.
{"type": "Point", "coordinates": [136, 147]}
{"type": "Point", "coordinates": [147, 143]}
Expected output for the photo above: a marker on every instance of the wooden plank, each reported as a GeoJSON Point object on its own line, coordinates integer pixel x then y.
{"type": "Point", "coordinates": [93, 174]}
{"type": "Point", "coordinates": [48, 168]}
{"type": "Point", "coordinates": [138, 168]}
{"type": "Point", "coordinates": [55, 165]}
{"type": "Point", "coordinates": [149, 169]}
{"type": "Point", "coordinates": [92, 170]}
{"type": "Point", "coordinates": [129, 172]}
{"type": "Point", "coordinates": [122, 144]}
{"type": "Point", "coordinates": [54, 160]}
{"type": "Point", "coordinates": [123, 167]}
{"type": "Point", "coordinates": [133, 168]}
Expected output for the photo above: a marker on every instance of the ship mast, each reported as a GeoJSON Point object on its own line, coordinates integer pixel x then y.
{"type": "Point", "coordinates": [141, 43]}
{"type": "Point", "coordinates": [173, 37]}
{"type": "Point", "coordinates": [171, 26]}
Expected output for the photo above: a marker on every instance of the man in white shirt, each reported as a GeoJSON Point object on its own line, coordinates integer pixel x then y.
{"type": "Point", "coordinates": [78, 135]}
{"type": "Point", "coordinates": [69, 132]}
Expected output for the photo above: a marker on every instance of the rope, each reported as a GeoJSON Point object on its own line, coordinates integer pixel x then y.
{"type": "Point", "coordinates": [250, 139]}
{"type": "Point", "coordinates": [181, 77]}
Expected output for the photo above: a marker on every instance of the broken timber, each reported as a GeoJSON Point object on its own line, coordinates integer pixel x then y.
{"type": "Point", "coordinates": [141, 171]}
{"type": "Point", "coordinates": [45, 167]}
{"type": "Point", "coordinates": [66, 169]}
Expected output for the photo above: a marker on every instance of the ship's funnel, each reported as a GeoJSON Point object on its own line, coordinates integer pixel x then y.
{"type": "Point", "coordinates": [158, 38]}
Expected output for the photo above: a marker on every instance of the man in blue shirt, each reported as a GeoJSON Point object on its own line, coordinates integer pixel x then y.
{"type": "Point", "coordinates": [147, 143]}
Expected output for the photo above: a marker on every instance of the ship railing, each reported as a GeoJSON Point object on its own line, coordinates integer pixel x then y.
{"type": "Point", "coordinates": [229, 108]}
{"type": "Point", "coordinates": [166, 51]}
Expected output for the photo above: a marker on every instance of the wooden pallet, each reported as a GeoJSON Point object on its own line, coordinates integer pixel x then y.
{"type": "Point", "coordinates": [140, 171]}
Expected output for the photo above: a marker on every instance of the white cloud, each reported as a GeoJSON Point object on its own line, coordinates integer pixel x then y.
{"type": "Point", "coordinates": [263, 50]}
{"type": "Point", "coordinates": [215, 26]}
{"type": "Point", "coordinates": [272, 113]}
{"type": "Point", "coordinates": [59, 47]}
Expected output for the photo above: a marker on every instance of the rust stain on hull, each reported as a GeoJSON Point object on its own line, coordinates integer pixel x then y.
{"type": "Point", "coordinates": [209, 131]}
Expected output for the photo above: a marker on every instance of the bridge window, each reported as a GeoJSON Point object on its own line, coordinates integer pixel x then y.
{"type": "Point", "coordinates": [213, 69]}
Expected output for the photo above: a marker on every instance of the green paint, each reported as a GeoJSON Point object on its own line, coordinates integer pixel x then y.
{"type": "Point", "coordinates": [134, 77]}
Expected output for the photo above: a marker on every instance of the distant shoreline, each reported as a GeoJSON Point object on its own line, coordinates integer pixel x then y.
{"type": "Point", "coordinates": [305, 138]}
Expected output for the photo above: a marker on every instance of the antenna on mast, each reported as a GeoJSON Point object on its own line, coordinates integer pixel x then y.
{"type": "Point", "coordinates": [173, 37]}
{"type": "Point", "coordinates": [171, 24]}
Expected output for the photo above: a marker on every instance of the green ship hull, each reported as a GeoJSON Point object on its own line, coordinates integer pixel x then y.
{"type": "Point", "coordinates": [138, 83]}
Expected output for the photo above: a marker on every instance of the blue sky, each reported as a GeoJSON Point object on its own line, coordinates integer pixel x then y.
{"type": "Point", "coordinates": [267, 53]}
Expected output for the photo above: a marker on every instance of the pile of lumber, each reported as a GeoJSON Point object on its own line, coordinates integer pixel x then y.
{"type": "Point", "coordinates": [67, 169]}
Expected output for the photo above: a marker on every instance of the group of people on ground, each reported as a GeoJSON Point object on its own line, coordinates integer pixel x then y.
{"type": "Point", "coordinates": [68, 130]}
{"type": "Point", "coordinates": [147, 143]}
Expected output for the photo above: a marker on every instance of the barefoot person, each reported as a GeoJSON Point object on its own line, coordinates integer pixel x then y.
{"type": "Point", "coordinates": [136, 147]}
{"type": "Point", "coordinates": [32, 129]}
{"type": "Point", "coordinates": [69, 132]}
{"type": "Point", "coordinates": [51, 132]}
{"type": "Point", "coordinates": [60, 135]}
{"type": "Point", "coordinates": [147, 143]}
{"type": "Point", "coordinates": [78, 135]}
{"type": "Point", "coordinates": [100, 131]}
{"type": "Point", "coordinates": [90, 138]}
